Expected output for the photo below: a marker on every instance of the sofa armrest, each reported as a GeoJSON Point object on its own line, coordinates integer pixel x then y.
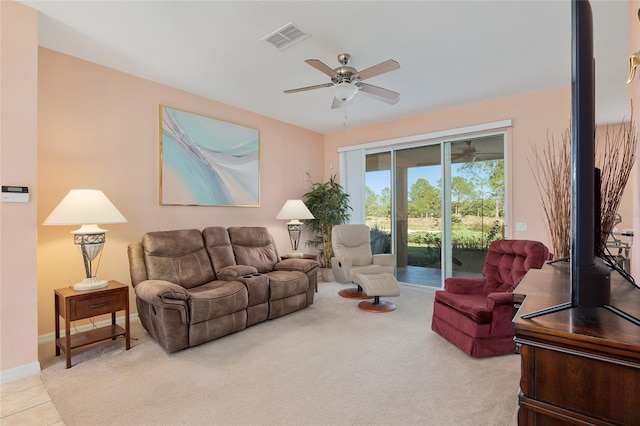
{"type": "Point", "coordinates": [159, 292]}
{"type": "Point", "coordinates": [230, 273]}
{"type": "Point", "coordinates": [499, 298]}
{"type": "Point", "coordinates": [384, 259]}
{"type": "Point", "coordinates": [502, 311]}
{"type": "Point", "coordinates": [164, 295]}
{"type": "Point", "coordinates": [296, 264]}
{"type": "Point", "coordinates": [461, 285]}
{"type": "Point", "coordinates": [341, 268]}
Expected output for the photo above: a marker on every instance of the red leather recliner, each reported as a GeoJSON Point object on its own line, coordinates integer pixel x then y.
{"type": "Point", "coordinates": [475, 314]}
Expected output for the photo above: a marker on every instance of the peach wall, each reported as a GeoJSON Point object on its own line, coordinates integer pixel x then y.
{"type": "Point", "coordinates": [533, 115]}
{"type": "Point", "coordinates": [18, 166]}
{"type": "Point", "coordinates": [634, 46]}
{"type": "Point", "coordinates": [99, 128]}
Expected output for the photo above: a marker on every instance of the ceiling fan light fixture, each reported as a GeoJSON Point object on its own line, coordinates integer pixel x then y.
{"type": "Point", "coordinates": [344, 91]}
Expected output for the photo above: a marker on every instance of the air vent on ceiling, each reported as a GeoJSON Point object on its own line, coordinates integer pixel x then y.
{"type": "Point", "coordinates": [286, 36]}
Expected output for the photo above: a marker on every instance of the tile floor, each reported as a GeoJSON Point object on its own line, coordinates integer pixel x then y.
{"type": "Point", "coordinates": [25, 402]}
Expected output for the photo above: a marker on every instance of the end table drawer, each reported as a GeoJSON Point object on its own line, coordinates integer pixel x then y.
{"type": "Point", "coordinates": [94, 306]}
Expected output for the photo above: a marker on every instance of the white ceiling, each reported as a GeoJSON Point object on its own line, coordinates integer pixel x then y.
{"type": "Point", "coordinates": [451, 53]}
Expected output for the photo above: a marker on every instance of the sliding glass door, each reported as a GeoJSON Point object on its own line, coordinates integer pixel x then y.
{"type": "Point", "coordinates": [418, 207]}
{"type": "Point", "coordinates": [403, 208]}
{"type": "Point", "coordinates": [437, 206]}
{"type": "Point", "coordinates": [476, 195]}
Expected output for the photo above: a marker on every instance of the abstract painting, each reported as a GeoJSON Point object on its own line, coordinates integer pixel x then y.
{"type": "Point", "coordinates": [207, 162]}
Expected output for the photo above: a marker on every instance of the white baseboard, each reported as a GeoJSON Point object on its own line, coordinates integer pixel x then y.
{"type": "Point", "coordinates": [50, 337]}
{"type": "Point", "coordinates": [21, 372]}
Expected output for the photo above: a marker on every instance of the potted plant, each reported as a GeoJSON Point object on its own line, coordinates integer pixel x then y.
{"type": "Point", "coordinates": [329, 205]}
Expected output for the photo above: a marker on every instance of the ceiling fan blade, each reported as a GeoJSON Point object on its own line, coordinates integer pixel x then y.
{"type": "Point", "coordinates": [302, 89]}
{"type": "Point", "coordinates": [322, 67]}
{"type": "Point", "coordinates": [384, 95]}
{"type": "Point", "coordinates": [337, 103]}
{"type": "Point", "coordinates": [381, 68]}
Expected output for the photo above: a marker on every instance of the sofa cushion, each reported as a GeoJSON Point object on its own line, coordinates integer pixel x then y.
{"type": "Point", "coordinates": [253, 245]}
{"type": "Point", "coordinates": [262, 258]}
{"type": "Point", "coordinates": [473, 306]}
{"type": "Point", "coordinates": [217, 299]}
{"type": "Point", "coordinates": [218, 244]}
{"type": "Point", "coordinates": [177, 256]}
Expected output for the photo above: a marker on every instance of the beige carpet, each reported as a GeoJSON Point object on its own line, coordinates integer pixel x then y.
{"type": "Point", "coordinates": [329, 364]}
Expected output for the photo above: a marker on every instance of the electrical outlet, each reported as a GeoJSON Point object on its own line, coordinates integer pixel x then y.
{"type": "Point", "coordinates": [521, 226]}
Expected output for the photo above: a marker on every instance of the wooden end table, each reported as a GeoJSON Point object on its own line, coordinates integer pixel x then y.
{"type": "Point", "coordinates": [75, 305]}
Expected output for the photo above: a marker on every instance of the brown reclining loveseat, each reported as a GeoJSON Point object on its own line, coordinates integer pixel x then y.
{"type": "Point", "coordinates": [194, 286]}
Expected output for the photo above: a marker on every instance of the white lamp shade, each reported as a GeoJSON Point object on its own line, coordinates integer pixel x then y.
{"type": "Point", "coordinates": [344, 91]}
{"type": "Point", "coordinates": [84, 207]}
{"type": "Point", "coordinates": [294, 209]}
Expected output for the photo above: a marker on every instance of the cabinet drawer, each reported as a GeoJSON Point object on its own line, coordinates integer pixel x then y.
{"type": "Point", "coordinates": [90, 306]}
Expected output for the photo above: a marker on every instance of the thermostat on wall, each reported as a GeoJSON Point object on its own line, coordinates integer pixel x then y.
{"type": "Point", "coordinates": [15, 194]}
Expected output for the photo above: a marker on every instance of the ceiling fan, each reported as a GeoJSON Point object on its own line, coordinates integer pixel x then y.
{"type": "Point", "coordinates": [471, 153]}
{"type": "Point", "coordinates": [346, 81]}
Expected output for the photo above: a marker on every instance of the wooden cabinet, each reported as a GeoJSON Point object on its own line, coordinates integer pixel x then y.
{"type": "Point", "coordinates": [580, 365]}
{"type": "Point", "coordinates": [74, 305]}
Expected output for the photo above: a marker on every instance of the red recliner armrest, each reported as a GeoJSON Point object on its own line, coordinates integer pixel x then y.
{"type": "Point", "coordinates": [499, 298]}
{"type": "Point", "coordinates": [501, 306]}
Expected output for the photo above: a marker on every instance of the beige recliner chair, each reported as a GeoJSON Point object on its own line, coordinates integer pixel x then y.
{"type": "Point", "coordinates": [352, 255]}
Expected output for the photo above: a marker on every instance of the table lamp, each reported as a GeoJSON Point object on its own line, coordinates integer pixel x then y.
{"type": "Point", "coordinates": [294, 210]}
{"type": "Point", "coordinates": [86, 207]}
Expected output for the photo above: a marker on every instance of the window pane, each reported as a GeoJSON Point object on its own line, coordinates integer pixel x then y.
{"type": "Point", "coordinates": [378, 201]}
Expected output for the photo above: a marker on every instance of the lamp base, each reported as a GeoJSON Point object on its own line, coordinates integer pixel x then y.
{"type": "Point", "coordinates": [295, 254]}
{"type": "Point", "coordinates": [92, 283]}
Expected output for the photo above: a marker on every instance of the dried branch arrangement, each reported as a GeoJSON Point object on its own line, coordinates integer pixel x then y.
{"type": "Point", "coordinates": [552, 173]}
{"type": "Point", "coordinates": [619, 150]}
